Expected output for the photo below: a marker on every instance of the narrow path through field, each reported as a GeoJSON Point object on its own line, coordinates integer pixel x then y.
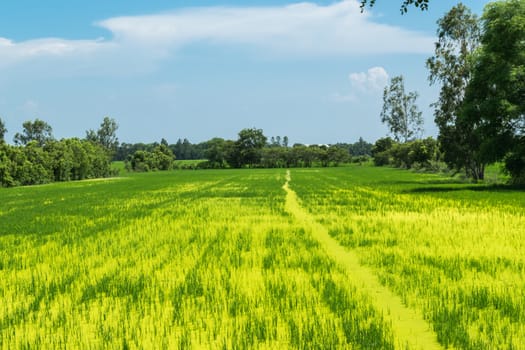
{"type": "Point", "coordinates": [409, 327]}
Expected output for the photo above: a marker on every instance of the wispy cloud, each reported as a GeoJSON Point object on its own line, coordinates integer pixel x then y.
{"type": "Point", "coordinates": [11, 52]}
{"type": "Point", "coordinates": [303, 28]}
{"type": "Point", "coordinates": [299, 30]}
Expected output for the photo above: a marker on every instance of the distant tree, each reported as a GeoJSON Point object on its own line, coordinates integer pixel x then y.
{"type": "Point", "coordinates": [177, 149]}
{"type": "Point", "coordinates": [360, 148]}
{"type": "Point", "coordinates": [184, 149]}
{"type": "Point", "coordinates": [38, 131]}
{"type": "Point", "coordinates": [75, 159]}
{"type": "Point", "coordinates": [424, 153]}
{"type": "Point", "coordinates": [304, 156]}
{"type": "Point", "coordinates": [248, 147]}
{"type": "Point", "coordinates": [230, 153]}
{"type": "Point", "coordinates": [160, 157]}
{"type": "Point", "coordinates": [277, 141]}
{"type": "Point", "coordinates": [451, 66]}
{"type": "Point", "coordinates": [422, 4]}
{"type": "Point", "coordinates": [337, 155]}
{"type": "Point", "coordinates": [139, 161]}
{"type": "Point", "coordinates": [124, 150]}
{"type": "Point", "coordinates": [216, 152]}
{"type": "Point", "coordinates": [32, 165]}
{"type": "Point", "coordinates": [164, 157]}
{"type": "Point", "coordinates": [61, 160]}
{"type": "Point", "coordinates": [3, 131]}
{"type": "Point", "coordinates": [106, 135]}
{"type": "Point", "coordinates": [381, 151]}
{"type": "Point", "coordinates": [320, 154]}
{"type": "Point", "coordinates": [285, 141]}
{"type": "Point", "coordinates": [274, 157]}
{"type": "Point", "coordinates": [400, 111]}
{"type": "Point", "coordinates": [6, 166]}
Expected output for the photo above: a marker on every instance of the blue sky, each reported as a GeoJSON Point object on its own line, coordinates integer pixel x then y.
{"type": "Point", "coordinates": [313, 71]}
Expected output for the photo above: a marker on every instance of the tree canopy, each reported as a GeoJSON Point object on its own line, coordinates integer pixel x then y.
{"type": "Point", "coordinates": [495, 96]}
{"type": "Point", "coordinates": [248, 147]}
{"type": "Point", "coordinates": [38, 131]}
{"type": "Point", "coordinates": [459, 35]}
{"type": "Point", "coordinates": [106, 135]}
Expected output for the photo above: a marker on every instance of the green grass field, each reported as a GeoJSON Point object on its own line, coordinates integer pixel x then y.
{"type": "Point", "coordinates": [355, 257]}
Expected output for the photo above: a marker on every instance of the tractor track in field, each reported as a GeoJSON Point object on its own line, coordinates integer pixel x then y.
{"type": "Point", "coordinates": [409, 327]}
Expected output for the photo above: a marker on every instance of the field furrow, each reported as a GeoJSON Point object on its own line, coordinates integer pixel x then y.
{"type": "Point", "coordinates": [409, 327]}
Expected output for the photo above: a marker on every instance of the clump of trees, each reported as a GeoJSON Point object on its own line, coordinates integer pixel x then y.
{"type": "Point", "coordinates": [479, 64]}
{"type": "Point", "coordinates": [404, 120]}
{"type": "Point", "coordinates": [160, 158]}
{"type": "Point", "coordinates": [480, 113]}
{"type": "Point", "coordinates": [37, 158]}
{"type": "Point", "coordinates": [417, 154]}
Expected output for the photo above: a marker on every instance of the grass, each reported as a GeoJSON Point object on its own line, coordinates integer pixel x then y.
{"type": "Point", "coordinates": [213, 259]}
{"type": "Point", "coordinates": [119, 166]}
{"type": "Point", "coordinates": [452, 251]}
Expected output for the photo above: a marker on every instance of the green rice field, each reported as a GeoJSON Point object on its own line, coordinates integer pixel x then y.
{"type": "Point", "coordinates": [354, 257]}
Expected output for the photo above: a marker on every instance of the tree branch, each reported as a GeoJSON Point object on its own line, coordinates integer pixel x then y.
{"type": "Point", "coordinates": [422, 4]}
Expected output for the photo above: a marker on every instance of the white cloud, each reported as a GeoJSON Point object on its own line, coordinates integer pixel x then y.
{"type": "Point", "coordinates": [371, 81]}
{"type": "Point", "coordinates": [368, 83]}
{"type": "Point", "coordinates": [299, 30]}
{"type": "Point", "coordinates": [303, 28]}
{"type": "Point", "coordinates": [11, 52]}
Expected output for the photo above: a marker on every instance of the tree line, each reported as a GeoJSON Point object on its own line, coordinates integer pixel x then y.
{"type": "Point", "coordinates": [252, 149]}
{"type": "Point", "coordinates": [183, 149]}
{"type": "Point", "coordinates": [38, 158]}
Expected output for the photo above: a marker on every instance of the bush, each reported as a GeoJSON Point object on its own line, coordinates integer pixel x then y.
{"type": "Point", "coordinates": [161, 158]}
{"type": "Point", "coordinates": [419, 154]}
{"type": "Point", "coordinates": [515, 165]}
